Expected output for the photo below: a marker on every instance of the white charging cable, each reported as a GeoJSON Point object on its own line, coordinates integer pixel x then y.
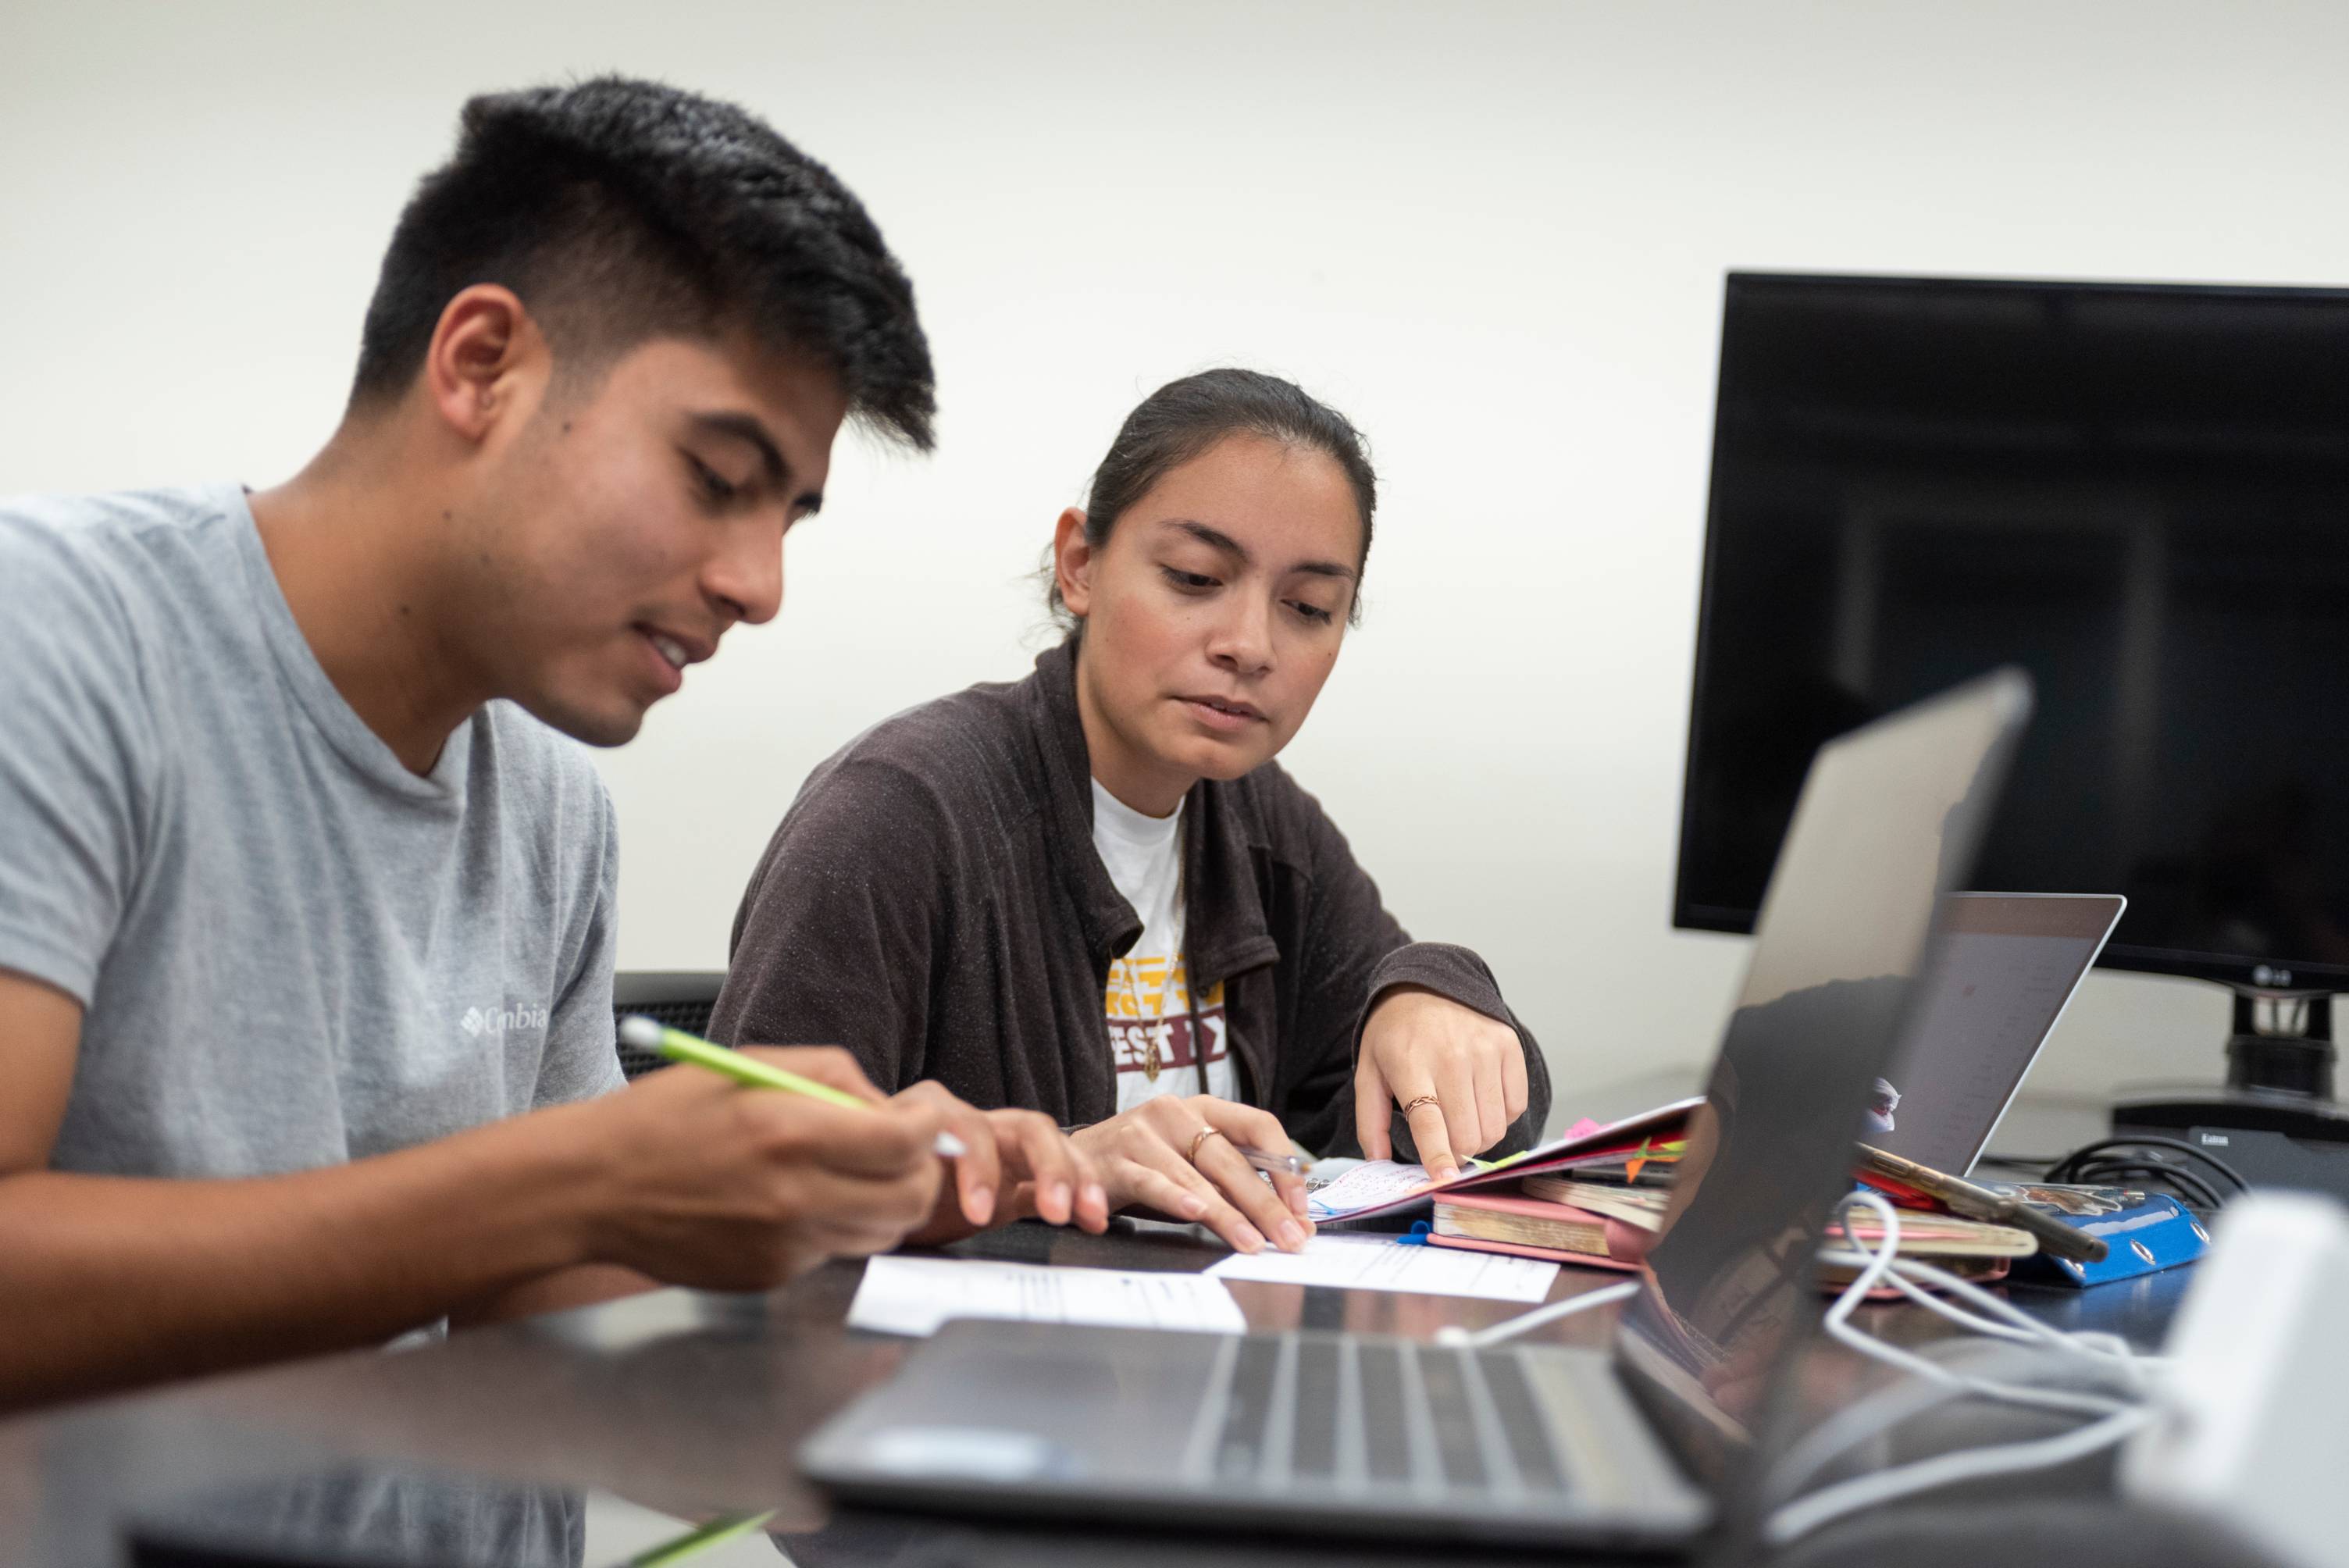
{"type": "Point", "coordinates": [2006, 1321]}
{"type": "Point", "coordinates": [1935, 1384]}
{"type": "Point", "coordinates": [1526, 1322]}
{"type": "Point", "coordinates": [1883, 1263]}
{"type": "Point", "coordinates": [1932, 1385]}
{"type": "Point", "coordinates": [2116, 1419]}
{"type": "Point", "coordinates": [1832, 1502]}
{"type": "Point", "coordinates": [1879, 1266]}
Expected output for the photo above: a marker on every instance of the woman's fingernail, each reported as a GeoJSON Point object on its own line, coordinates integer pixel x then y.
{"type": "Point", "coordinates": [1096, 1196]}
{"type": "Point", "coordinates": [980, 1205]}
{"type": "Point", "coordinates": [1193, 1205]}
{"type": "Point", "coordinates": [1250, 1241]}
{"type": "Point", "coordinates": [1296, 1204]}
{"type": "Point", "coordinates": [1061, 1200]}
{"type": "Point", "coordinates": [1291, 1238]}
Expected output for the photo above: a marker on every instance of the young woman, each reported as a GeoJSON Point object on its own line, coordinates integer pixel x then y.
{"type": "Point", "coordinates": [1093, 893]}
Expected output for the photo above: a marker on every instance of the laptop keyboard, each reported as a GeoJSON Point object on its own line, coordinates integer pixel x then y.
{"type": "Point", "coordinates": [1251, 1391]}
{"type": "Point", "coordinates": [1353, 1415]}
{"type": "Point", "coordinates": [1313, 1445]}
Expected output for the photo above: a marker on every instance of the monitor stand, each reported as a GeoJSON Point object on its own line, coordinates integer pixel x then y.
{"type": "Point", "coordinates": [2275, 1121]}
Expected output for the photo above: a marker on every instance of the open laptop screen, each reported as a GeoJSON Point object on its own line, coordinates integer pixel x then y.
{"type": "Point", "coordinates": [2006, 965]}
{"type": "Point", "coordinates": [1890, 819]}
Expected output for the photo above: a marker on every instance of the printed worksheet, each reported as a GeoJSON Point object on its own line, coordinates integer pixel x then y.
{"type": "Point", "coordinates": [915, 1296]}
{"type": "Point", "coordinates": [1382, 1263]}
{"type": "Point", "coordinates": [1382, 1186]}
{"type": "Point", "coordinates": [1371, 1184]}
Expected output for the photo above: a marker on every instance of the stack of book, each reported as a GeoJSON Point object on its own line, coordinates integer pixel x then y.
{"type": "Point", "coordinates": [1611, 1225]}
{"type": "Point", "coordinates": [1604, 1206]}
{"type": "Point", "coordinates": [1598, 1195]}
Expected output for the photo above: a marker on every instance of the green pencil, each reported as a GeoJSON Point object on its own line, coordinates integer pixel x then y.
{"type": "Point", "coordinates": [658, 1039]}
{"type": "Point", "coordinates": [719, 1530]}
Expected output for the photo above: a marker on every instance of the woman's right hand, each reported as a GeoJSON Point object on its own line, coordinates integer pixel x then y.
{"type": "Point", "coordinates": [1181, 1157]}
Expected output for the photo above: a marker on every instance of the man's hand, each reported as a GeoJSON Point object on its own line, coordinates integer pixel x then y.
{"type": "Point", "coordinates": [1048, 1175]}
{"type": "Point", "coordinates": [1459, 1076]}
{"type": "Point", "coordinates": [727, 1188]}
{"type": "Point", "coordinates": [1178, 1156]}
{"type": "Point", "coordinates": [684, 1177]}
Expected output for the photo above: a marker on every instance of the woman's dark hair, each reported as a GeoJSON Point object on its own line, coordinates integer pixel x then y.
{"type": "Point", "coordinates": [621, 211]}
{"type": "Point", "coordinates": [1185, 418]}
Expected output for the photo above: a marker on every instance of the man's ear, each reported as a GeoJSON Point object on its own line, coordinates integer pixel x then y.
{"type": "Point", "coordinates": [485, 349]}
{"type": "Point", "coordinates": [1072, 563]}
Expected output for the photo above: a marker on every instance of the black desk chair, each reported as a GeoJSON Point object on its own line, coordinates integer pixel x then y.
{"type": "Point", "coordinates": [681, 1000]}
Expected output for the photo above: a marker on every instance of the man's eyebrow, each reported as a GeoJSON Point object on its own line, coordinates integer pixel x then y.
{"type": "Point", "coordinates": [1217, 539]}
{"type": "Point", "coordinates": [747, 427]}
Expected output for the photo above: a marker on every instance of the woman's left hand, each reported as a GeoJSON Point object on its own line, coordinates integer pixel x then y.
{"type": "Point", "coordinates": [1459, 1076]}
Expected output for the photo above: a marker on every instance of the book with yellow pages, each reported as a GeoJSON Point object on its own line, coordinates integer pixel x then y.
{"type": "Point", "coordinates": [1531, 1227]}
{"type": "Point", "coordinates": [1502, 1221]}
{"type": "Point", "coordinates": [1922, 1234]}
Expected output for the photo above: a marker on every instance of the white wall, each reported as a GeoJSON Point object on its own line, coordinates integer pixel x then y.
{"type": "Point", "coordinates": [1495, 234]}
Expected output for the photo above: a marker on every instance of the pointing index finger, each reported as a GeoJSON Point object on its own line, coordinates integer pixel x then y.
{"type": "Point", "coordinates": [1428, 1131]}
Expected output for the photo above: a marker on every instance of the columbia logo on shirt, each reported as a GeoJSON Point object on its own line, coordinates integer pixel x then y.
{"type": "Point", "coordinates": [496, 1021]}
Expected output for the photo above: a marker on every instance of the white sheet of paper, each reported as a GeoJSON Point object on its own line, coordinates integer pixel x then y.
{"type": "Point", "coordinates": [1366, 1186]}
{"type": "Point", "coordinates": [1380, 1263]}
{"type": "Point", "coordinates": [913, 1296]}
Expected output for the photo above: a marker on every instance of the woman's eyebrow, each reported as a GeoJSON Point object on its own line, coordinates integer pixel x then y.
{"type": "Point", "coordinates": [1212, 538]}
{"type": "Point", "coordinates": [1217, 539]}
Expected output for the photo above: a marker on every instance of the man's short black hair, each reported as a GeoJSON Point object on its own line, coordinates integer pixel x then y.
{"type": "Point", "coordinates": [620, 210]}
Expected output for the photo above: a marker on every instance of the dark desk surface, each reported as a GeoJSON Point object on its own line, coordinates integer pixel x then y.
{"type": "Point", "coordinates": [693, 1404]}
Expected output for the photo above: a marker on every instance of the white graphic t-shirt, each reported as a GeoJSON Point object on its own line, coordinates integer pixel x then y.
{"type": "Point", "coordinates": [1148, 999]}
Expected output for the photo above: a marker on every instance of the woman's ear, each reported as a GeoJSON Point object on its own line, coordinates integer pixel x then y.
{"type": "Point", "coordinates": [1072, 563]}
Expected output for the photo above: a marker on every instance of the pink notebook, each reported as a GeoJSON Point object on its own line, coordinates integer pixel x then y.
{"type": "Point", "coordinates": [1547, 1254]}
{"type": "Point", "coordinates": [1626, 1245]}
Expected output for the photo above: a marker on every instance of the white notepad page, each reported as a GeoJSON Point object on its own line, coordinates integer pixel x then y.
{"type": "Point", "coordinates": [1356, 1262]}
{"type": "Point", "coordinates": [915, 1296]}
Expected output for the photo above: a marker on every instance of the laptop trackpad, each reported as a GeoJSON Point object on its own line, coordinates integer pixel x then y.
{"type": "Point", "coordinates": [1000, 1401]}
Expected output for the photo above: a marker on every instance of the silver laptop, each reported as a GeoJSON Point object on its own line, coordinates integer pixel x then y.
{"type": "Point", "coordinates": [1643, 1444]}
{"type": "Point", "coordinates": [2006, 967]}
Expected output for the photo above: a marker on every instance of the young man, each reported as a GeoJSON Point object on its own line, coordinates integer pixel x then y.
{"type": "Point", "coordinates": [303, 900]}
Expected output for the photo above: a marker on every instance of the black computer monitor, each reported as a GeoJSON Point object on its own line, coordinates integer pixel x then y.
{"type": "Point", "coordinates": [2139, 493]}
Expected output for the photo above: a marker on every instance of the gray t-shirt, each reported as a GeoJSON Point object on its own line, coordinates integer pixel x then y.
{"type": "Point", "coordinates": [292, 951]}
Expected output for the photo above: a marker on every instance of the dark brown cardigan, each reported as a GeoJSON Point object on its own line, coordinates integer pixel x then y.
{"type": "Point", "coordinates": [933, 903]}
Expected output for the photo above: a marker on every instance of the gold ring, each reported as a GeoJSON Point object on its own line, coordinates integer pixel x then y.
{"type": "Point", "coordinates": [1200, 1137]}
{"type": "Point", "coordinates": [1411, 1105]}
